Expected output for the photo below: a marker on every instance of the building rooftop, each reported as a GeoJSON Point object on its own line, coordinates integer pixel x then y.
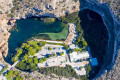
{"type": "Point", "coordinates": [72, 46]}
{"type": "Point", "coordinates": [75, 56]}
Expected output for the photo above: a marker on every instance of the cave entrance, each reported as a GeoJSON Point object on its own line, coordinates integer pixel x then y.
{"type": "Point", "coordinates": [95, 33]}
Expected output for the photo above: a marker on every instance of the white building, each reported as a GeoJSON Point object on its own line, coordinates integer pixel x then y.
{"type": "Point", "coordinates": [53, 61]}
{"type": "Point", "coordinates": [76, 56]}
{"type": "Point", "coordinates": [72, 46]}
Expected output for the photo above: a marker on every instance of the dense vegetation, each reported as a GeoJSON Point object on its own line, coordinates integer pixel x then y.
{"type": "Point", "coordinates": [29, 64]}
{"type": "Point", "coordinates": [27, 49]}
{"type": "Point", "coordinates": [74, 18]}
{"type": "Point", "coordinates": [88, 70]}
{"type": "Point", "coordinates": [26, 53]}
{"type": "Point", "coordinates": [13, 75]}
{"type": "Point", "coordinates": [67, 71]}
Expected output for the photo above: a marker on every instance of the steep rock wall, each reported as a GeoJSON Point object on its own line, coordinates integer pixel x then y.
{"type": "Point", "coordinates": [112, 25]}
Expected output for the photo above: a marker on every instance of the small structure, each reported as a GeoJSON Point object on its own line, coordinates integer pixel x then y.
{"type": "Point", "coordinates": [79, 67]}
{"type": "Point", "coordinates": [94, 62]}
{"type": "Point", "coordinates": [72, 46]}
{"type": "Point", "coordinates": [76, 56]}
{"type": "Point", "coordinates": [81, 72]}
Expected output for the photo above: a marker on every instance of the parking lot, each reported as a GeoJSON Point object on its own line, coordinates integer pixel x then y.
{"type": "Point", "coordinates": [54, 49]}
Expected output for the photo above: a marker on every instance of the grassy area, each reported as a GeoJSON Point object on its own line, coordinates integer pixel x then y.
{"type": "Point", "coordinates": [58, 36]}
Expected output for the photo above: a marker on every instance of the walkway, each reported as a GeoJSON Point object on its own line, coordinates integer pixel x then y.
{"type": "Point", "coordinates": [49, 41]}
{"type": "Point", "coordinates": [9, 68]}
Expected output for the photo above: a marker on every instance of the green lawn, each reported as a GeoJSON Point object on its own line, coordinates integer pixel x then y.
{"type": "Point", "coordinates": [58, 36]}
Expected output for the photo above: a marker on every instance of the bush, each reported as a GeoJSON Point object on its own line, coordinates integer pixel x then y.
{"type": "Point", "coordinates": [66, 47]}
{"type": "Point", "coordinates": [13, 75]}
{"type": "Point", "coordinates": [50, 48]}
{"type": "Point", "coordinates": [52, 55]}
{"type": "Point", "coordinates": [67, 71]}
{"type": "Point", "coordinates": [61, 54]}
{"type": "Point", "coordinates": [88, 70]}
{"type": "Point", "coordinates": [11, 15]}
{"type": "Point", "coordinates": [42, 60]}
{"type": "Point", "coordinates": [0, 12]}
{"type": "Point", "coordinates": [70, 51]}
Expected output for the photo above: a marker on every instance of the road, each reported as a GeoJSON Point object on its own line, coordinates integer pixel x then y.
{"type": "Point", "coordinates": [9, 68]}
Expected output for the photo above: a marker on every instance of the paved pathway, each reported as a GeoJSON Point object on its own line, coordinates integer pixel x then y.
{"type": "Point", "coordinates": [9, 68]}
{"type": "Point", "coordinates": [49, 41]}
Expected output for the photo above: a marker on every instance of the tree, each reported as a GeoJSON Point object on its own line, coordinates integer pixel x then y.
{"type": "Point", "coordinates": [19, 52]}
{"type": "Point", "coordinates": [36, 61]}
{"type": "Point", "coordinates": [11, 15]}
{"type": "Point", "coordinates": [70, 51]}
{"type": "Point", "coordinates": [66, 47]}
{"type": "Point", "coordinates": [50, 48]}
{"type": "Point", "coordinates": [61, 54]}
{"type": "Point", "coordinates": [84, 43]}
{"type": "Point", "coordinates": [15, 72]}
{"type": "Point", "coordinates": [41, 61]}
{"type": "Point", "coordinates": [75, 49]}
{"type": "Point", "coordinates": [44, 59]}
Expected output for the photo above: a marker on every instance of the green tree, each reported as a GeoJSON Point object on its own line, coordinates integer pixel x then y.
{"type": "Point", "coordinates": [44, 59]}
{"type": "Point", "coordinates": [41, 61]}
{"type": "Point", "coordinates": [75, 49]}
{"type": "Point", "coordinates": [66, 47]}
{"type": "Point", "coordinates": [36, 61]}
{"type": "Point", "coordinates": [61, 54]}
{"type": "Point", "coordinates": [50, 48]}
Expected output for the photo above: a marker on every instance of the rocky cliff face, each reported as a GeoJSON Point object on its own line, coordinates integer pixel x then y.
{"type": "Point", "coordinates": [53, 8]}
{"type": "Point", "coordinates": [4, 35]}
{"type": "Point", "coordinates": [110, 68]}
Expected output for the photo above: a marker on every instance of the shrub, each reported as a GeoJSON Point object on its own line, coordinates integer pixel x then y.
{"type": "Point", "coordinates": [50, 48]}
{"type": "Point", "coordinates": [61, 54]}
{"type": "Point", "coordinates": [11, 15]}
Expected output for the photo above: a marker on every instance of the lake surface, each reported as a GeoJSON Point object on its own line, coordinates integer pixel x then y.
{"type": "Point", "coordinates": [27, 28]}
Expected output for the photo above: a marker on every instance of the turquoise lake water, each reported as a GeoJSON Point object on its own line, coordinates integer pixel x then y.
{"type": "Point", "coordinates": [27, 28]}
